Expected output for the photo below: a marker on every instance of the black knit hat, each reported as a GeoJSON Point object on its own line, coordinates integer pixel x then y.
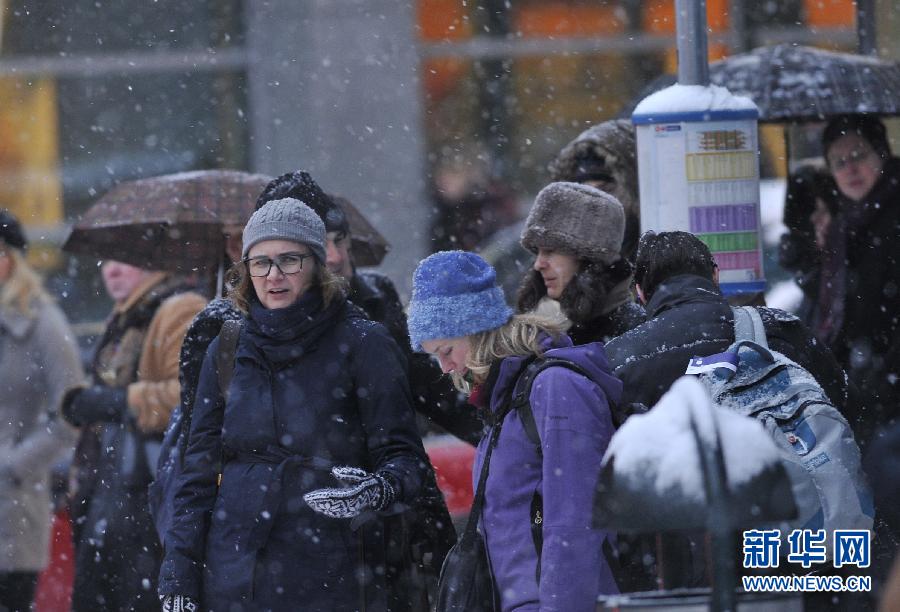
{"type": "Point", "coordinates": [299, 185]}
{"type": "Point", "coordinates": [11, 231]}
{"type": "Point", "coordinates": [869, 127]}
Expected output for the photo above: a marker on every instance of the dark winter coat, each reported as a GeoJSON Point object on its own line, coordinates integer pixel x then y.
{"type": "Point", "coordinates": [313, 387]}
{"type": "Point", "coordinates": [689, 317]}
{"type": "Point", "coordinates": [574, 425]}
{"type": "Point", "coordinates": [606, 326]}
{"type": "Point", "coordinates": [861, 289]}
{"type": "Point", "coordinates": [433, 393]}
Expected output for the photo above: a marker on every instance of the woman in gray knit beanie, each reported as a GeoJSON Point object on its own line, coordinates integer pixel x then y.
{"type": "Point", "coordinates": [575, 232]}
{"type": "Point", "coordinates": [318, 397]}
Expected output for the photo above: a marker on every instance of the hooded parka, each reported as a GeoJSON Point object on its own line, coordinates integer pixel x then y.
{"type": "Point", "coordinates": [313, 387]}
{"type": "Point", "coordinates": [574, 424]}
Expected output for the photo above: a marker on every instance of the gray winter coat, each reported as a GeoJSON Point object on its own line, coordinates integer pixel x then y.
{"type": "Point", "coordinates": [38, 363]}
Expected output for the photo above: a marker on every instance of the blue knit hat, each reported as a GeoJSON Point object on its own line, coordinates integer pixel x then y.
{"type": "Point", "coordinates": [455, 294]}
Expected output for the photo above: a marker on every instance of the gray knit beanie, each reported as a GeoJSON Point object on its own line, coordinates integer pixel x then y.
{"type": "Point", "coordinates": [577, 219]}
{"type": "Point", "coordinates": [286, 219]}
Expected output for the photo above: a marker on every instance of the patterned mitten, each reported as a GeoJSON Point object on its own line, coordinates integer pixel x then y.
{"type": "Point", "coordinates": [179, 603]}
{"type": "Point", "coordinates": [364, 491]}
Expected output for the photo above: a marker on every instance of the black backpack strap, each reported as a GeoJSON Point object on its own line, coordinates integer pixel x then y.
{"type": "Point", "coordinates": [228, 340]}
{"type": "Point", "coordinates": [521, 402]}
{"type": "Point", "coordinates": [522, 393]}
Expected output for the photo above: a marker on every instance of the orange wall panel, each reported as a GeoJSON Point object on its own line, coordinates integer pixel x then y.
{"type": "Point", "coordinates": [830, 13]}
{"type": "Point", "coordinates": [559, 19]}
{"type": "Point", "coordinates": [443, 20]}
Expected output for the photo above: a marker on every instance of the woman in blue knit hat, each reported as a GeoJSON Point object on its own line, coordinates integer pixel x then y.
{"type": "Point", "coordinates": [536, 518]}
{"type": "Point", "coordinates": [317, 397]}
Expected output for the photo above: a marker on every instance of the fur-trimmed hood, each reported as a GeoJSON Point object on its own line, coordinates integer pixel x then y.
{"type": "Point", "coordinates": [614, 143]}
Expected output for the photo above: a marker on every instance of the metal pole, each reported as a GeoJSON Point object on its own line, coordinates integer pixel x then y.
{"type": "Point", "coordinates": [690, 27]}
{"type": "Point", "coordinates": [719, 521]}
{"type": "Point", "coordinates": [865, 27]}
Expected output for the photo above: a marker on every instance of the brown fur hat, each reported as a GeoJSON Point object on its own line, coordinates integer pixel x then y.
{"type": "Point", "coordinates": [576, 219]}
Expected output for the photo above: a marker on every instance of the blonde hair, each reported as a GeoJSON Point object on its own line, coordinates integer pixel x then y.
{"type": "Point", "coordinates": [24, 286]}
{"type": "Point", "coordinates": [241, 292]}
{"type": "Point", "coordinates": [518, 337]}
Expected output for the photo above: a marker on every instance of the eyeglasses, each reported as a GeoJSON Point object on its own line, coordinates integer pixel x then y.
{"type": "Point", "coordinates": [287, 263]}
{"type": "Point", "coordinates": [853, 157]}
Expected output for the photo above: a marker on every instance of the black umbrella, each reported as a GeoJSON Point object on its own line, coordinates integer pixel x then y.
{"type": "Point", "coordinates": [793, 83]}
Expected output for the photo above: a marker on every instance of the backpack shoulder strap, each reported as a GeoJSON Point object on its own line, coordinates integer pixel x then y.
{"type": "Point", "coordinates": [228, 340]}
{"type": "Point", "coordinates": [748, 325]}
{"type": "Point", "coordinates": [522, 394]}
{"type": "Point", "coordinates": [521, 403]}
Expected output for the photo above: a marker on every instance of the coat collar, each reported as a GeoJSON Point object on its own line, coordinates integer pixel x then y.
{"type": "Point", "coordinates": [683, 289]}
{"type": "Point", "coordinates": [151, 281]}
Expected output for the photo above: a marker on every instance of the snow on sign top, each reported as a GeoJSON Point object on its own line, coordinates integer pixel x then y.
{"type": "Point", "coordinates": [660, 445]}
{"type": "Point", "coordinates": [692, 98]}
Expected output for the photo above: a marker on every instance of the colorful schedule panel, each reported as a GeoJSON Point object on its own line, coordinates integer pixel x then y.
{"type": "Point", "coordinates": [699, 172]}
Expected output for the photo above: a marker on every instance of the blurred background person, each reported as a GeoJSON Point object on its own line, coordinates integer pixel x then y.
{"type": "Point", "coordinates": [38, 363]}
{"type": "Point", "coordinates": [809, 206]}
{"type": "Point", "coordinates": [471, 206]}
{"type": "Point", "coordinates": [123, 412]}
{"type": "Point", "coordinates": [605, 156]}
{"type": "Point", "coordinates": [859, 287]}
{"type": "Point", "coordinates": [575, 232]}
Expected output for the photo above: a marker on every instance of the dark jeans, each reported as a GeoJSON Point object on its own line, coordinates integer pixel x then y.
{"type": "Point", "coordinates": [17, 590]}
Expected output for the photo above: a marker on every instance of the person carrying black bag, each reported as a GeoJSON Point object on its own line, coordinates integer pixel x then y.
{"type": "Point", "coordinates": [538, 466]}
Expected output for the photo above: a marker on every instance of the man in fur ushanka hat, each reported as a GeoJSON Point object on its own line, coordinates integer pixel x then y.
{"type": "Point", "coordinates": [576, 231]}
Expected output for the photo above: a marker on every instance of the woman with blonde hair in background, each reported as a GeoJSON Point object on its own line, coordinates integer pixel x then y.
{"type": "Point", "coordinates": [38, 363]}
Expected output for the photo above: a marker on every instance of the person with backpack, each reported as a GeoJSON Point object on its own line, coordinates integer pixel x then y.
{"type": "Point", "coordinates": [575, 232]}
{"type": "Point", "coordinates": [676, 277]}
{"type": "Point", "coordinates": [549, 430]}
{"type": "Point", "coordinates": [317, 396]}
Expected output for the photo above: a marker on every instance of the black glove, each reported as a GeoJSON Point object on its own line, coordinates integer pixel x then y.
{"type": "Point", "coordinates": [88, 405]}
{"type": "Point", "coordinates": [367, 491]}
{"type": "Point", "coordinates": [179, 603]}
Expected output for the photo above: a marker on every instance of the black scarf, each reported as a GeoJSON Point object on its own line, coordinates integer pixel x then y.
{"type": "Point", "coordinates": [283, 335]}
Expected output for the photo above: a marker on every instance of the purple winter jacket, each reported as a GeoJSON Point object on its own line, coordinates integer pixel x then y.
{"type": "Point", "coordinates": [575, 425]}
